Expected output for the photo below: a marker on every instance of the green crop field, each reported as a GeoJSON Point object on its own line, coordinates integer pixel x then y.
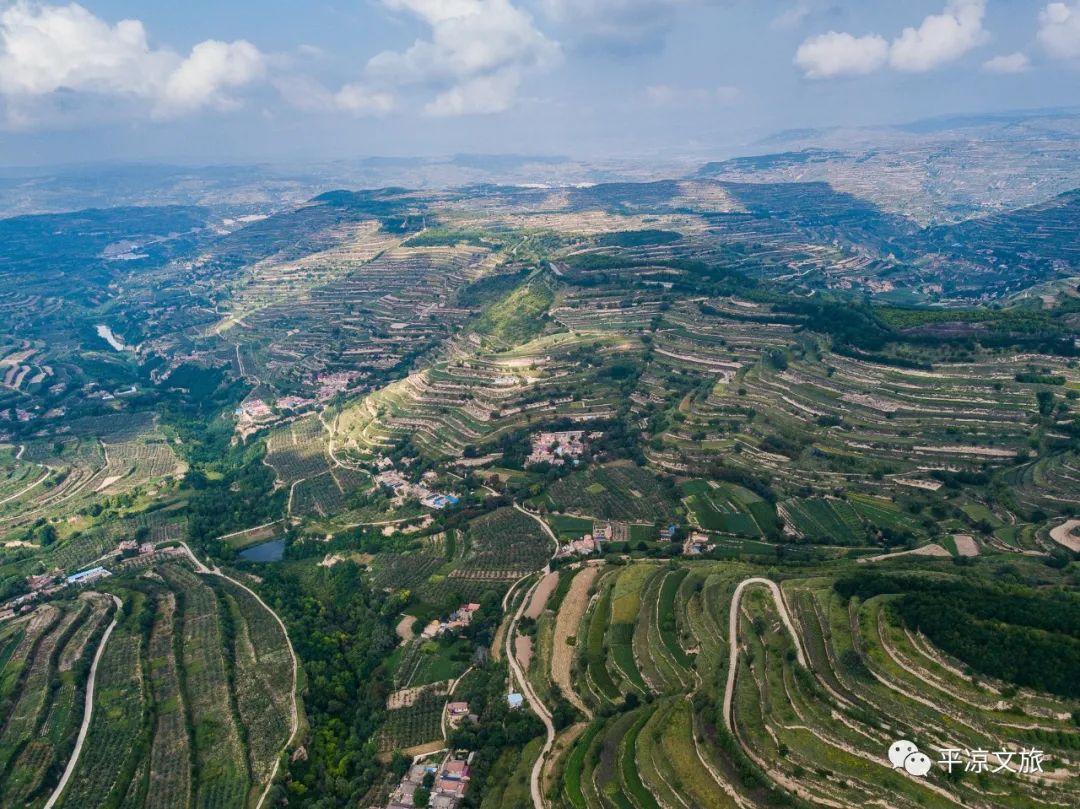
{"type": "Point", "coordinates": [818, 709]}
{"type": "Point", "coordinates": [182, 647]}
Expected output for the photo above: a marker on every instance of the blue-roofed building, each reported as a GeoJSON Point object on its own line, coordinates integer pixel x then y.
{"type": "Point", "coordinates": [515, 701]}
{"type": "Point", "coordinates": [88, 576]}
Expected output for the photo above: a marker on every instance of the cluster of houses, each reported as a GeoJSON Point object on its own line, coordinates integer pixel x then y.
{"type": "Point", "coordinates": [460, 619]}
{"type": "Point", "coordinates": [46, 584]}
{"type": "Point", "coordinates": [586, 546]}
{"type": "Point", "coordinates": [446, 783]}
{"type": "Point", "coordinates": [256, 410]}
{"type": "Point", "coordinates": [294, 403]}
{"type": "Point", "coordinates": [697, 544]}
{"type": "Point", "coordinates": [130, 547]}
{"type": "Point", "coordinates": [558, 448]}
{"type": "Point", "coordinates": [328, 385]}
{"type": "Point", "coordinates": [593, 543]}
{"type": "Point", "coordinates": [402, 488]}
{"type": "Point", "coordinates": [20, 415]}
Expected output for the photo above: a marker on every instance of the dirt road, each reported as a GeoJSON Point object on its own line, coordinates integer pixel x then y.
{"type": "Point", "coordinates": [538, 707]}
{"type": "Point", "coordinates": [733, 635]}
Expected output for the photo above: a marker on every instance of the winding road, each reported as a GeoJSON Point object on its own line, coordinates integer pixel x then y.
{"type": "Point", "coordinates": [516, 672]}
{"type": "Point", "coordinates": [733, 636]}
{"type": "Point", "coordinates": [88, 710]}
{"type": "Point", "coordinates": [534, 701]}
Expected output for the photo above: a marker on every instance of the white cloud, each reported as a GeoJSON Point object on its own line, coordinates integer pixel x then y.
{"type": "Point", "coordinates": [308, 95]}
{"type": "Point", "coordinates": [357, 99]}
{"type": "Point", "coordinates": [475, 61]}
{"type": "Point", "coordinates": [840, 54]}
{"type": "Point", "coordinates": [941, 38]}
{"type": "Point", "coordinates": [1059, 30]}
{"type": "Point", "coordinates": [212, 68]}
{"type": "Point", "coordinates": [938, 40]}
{"type": "Point", "coordinates": [46, 49]}
{"type": "Point", "coordinates": [1008, 63]}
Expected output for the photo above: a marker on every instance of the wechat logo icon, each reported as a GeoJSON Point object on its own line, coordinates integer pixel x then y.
{"type": "Point", "coordinates": [904, 754]}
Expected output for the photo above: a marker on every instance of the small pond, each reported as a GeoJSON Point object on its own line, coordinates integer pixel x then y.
{"type": "Point", "coordinates": [272, 551]}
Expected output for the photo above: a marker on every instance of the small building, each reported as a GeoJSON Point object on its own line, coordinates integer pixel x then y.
{"type": "Point", "coordinates": [456, 771]}
{"type": "Point", "coordinates": [514, 700]}
{"type": "Point", "coordinates": [698, 544]}
{"type": "Point", "coordinates": [38, 582]}
{"type": "Point", "coordinates": [456, 710]}
{"type": "Point", "coordinates": [88, 576]}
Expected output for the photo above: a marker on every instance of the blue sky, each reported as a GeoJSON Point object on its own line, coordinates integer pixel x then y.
{"type": "Point", "coordinates": [269, 79]}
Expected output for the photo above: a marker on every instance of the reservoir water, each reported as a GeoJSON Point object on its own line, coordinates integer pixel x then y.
{"type": "Point", "coordinates": [272, 551]}
{"type": "Point", "coordinates": [106, 334]}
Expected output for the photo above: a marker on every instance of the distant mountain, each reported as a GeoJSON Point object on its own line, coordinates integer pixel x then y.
{"type": "Point", "coordinates": [936, 171]}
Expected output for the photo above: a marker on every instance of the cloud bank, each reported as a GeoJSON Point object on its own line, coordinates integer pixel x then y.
{"type": "Point", "coordinates": [938, 40]}
{"type": "Point", "coordinates": [475, 60]}
{"type": "Point", "coordinates": [47, 49]}
{"type": "Point", "coordinates": [1059, 30]}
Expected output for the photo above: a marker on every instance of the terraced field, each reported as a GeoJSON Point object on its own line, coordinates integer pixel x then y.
{"type": "Point", "coordinates": [477, 397]}
{"type": "Point", "coordinates": [44, 661]}
{"type": "Point", "coordinates": [803, 719]}
{"type": "Point", "coordinates": [192, 702]}
{"type": "Point", "coordinates": [115, 455]}
{"type": "Point", "coordinates": [369, 303]}
{"type": "Point", "coordinates": [615, 492]}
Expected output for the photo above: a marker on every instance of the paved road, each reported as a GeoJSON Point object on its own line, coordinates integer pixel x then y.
{"type": "Point", "coordinates": [733, 635]}
{"type": "Point", "coordinates": [88, 711]}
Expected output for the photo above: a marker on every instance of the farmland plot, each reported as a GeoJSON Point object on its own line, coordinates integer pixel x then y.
{"type": "Point", "coordinates": [505, 544]}
{"type": "Point", "coordinates": [816, 733]}
{"type": "Point", "coordinates": [616, 492]}
{"type": "Point", "coordinates": [40, 688]}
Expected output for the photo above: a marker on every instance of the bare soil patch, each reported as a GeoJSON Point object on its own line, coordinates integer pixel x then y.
{"type": "Point", "coordinates": [1066, 534]}
{"type": "Point", "coordinates": [541, 595]}
{"type": "Point", "coordinates": [566, 626]}
{"type": "Point", "coordinates": [926, 550]}
{"type": "Point", "coordinates": [523, 651]}
{"type": "Point", "coordinates": [404, 628]}
{"type": "Point", "coordinates": [966, 545]}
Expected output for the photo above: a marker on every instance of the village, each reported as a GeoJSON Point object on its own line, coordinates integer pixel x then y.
{"type": "Point", "coordinates": [558, 448]}
{"type": "Point", "coordinates": [439, 785]}
{"type": "Point", "coordinates": [402, 488]}
{"type": "Point", "coordinates": [42, 586]}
